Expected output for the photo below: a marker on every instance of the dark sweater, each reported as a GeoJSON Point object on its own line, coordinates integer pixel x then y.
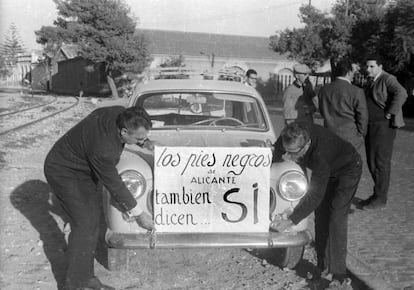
{"type": "Point", "coordinates": [91, 150]}
{"type": "Point", "coordinates": [375, 112]}
{"type": "Point", "coordinates": [327, 155]}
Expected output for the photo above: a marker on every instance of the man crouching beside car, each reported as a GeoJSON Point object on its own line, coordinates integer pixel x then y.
{"type": "Point", "coordinates": [85, 156]}
{"type": "Point", "coordinates": [336, 170]}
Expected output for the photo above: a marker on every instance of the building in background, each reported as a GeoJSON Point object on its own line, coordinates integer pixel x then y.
{"type": "Point", "coordinates": [70, 73]}
{"type": "Point", "coordinates": [205, 51]}
{"type": "Point", "coordinates": [66, 71]}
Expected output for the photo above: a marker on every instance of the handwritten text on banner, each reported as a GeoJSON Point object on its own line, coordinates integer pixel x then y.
{"type": "Point", "coordinates": [211, 189]}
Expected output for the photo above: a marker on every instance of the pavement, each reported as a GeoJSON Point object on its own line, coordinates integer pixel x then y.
{"type": "Point", "coordinates": [381, 242]}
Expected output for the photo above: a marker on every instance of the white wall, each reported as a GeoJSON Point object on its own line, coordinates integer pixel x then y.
{"type": "Point", "coordinates": [264, 67]}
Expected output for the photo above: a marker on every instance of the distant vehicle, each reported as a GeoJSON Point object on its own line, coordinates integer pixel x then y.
{"type": "Point", "coordinates": [214, 118]}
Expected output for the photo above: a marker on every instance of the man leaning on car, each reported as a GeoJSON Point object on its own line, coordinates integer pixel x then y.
{"type": "Point", "coordinates": [336, 170]}
{"type": "Point", "coordinates": [79, 161]}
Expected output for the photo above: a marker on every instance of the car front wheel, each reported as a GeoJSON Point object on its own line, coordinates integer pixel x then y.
{"type": "Point", "coordinates": [292, 256]}
{"type": "Point", "coordinates": [117, 259]}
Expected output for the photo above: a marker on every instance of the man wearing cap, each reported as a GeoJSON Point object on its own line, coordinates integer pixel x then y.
{"type": "Point", "coordinates": [79, 162]}
{"type": "Point", "coordinates": [336, 171]}
{"type": "Point", "coordinates": [299, 97]}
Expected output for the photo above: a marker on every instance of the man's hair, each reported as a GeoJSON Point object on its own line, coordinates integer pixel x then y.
{"type": "Point", "coordinates": [343, 67]}
{"type": "Point", "coordinates": [375, 57]}
{"type": "Point", "coordinates": [134, 117]}
{"type": "Point", "coordinates": [295, 132]}
{"type": "Point", "coordinates": [251, 71]}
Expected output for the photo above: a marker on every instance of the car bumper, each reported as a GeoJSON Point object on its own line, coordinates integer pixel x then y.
{"type": "Point", "coordinates": [207, 240]}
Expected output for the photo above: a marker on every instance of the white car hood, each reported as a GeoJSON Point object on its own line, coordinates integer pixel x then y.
{"type": "Point", "coordinates": [204, 138]}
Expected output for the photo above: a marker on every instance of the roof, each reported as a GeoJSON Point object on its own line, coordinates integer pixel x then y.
{"type": "Point", "coordinates": [222, 45]}
{"type": "Point", "coordinates": [69, 50]}
{"type": "Point", "coordinates": [198, 85]}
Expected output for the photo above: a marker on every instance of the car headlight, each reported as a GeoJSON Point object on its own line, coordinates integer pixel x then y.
{"type": "Point", "coordinates": [135, 182]}
{"type": "Point", "coordinates": [293, 185]}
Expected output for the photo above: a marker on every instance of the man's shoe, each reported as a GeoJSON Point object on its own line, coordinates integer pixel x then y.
{"type": "Point", "coordinates": [95, 284]}
{"type": "Point", "coordinates": [338, 285]}
{"type": "Point", "coordinates": [375, 204]}
{"type": "Point", "coordinates": [365, 202]}
{"type": "Point", "coordinates": [318, 274]}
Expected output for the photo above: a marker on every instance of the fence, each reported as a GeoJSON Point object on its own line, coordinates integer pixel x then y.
{"type": "Point", "coordinates": [282, 82]}
{"type": "Point", "coordinates": [360, 80]}
{"type": "Point", "coordinates": [12, 80]}
{"type": "Point", "coordinates": [272, 89]}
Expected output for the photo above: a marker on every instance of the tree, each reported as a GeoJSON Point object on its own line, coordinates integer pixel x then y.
{"type": "Point", "coordinates": [330, 36]}
{"type": "Point", "coordinates": [324, 37]}
{"type": "Point", "coordinates": [104, 31]}
{"type": "Point", "coordinates": [4, 71]}
{"type": "Point", "coordinates": [304, 44]}
{"type": "Point", "coordinates": [397, 37]}
{"type": "Point", "coordinates": [11, 47]}
{"type": "Point", "coordinates": [366, 18]}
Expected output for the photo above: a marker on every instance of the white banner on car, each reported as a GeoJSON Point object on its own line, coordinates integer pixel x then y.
{"type": "Point", "coordinates": [198, 189]}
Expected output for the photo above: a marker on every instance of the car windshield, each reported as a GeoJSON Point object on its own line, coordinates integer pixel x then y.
{"type": "Point", "coordinates": [203, 110]}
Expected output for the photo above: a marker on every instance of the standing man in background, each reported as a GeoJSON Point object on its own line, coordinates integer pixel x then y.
{"type": "Point", "coordinates": [385, 97]}
{"type": "Point", "coordinates": [299, 97]}
{"type": "Point", "coordinates": [251, 78]}
{"type": "Point", "coordinates": [344, 108]}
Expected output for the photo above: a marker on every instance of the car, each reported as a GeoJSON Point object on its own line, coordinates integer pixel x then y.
{"type": "Point", "coordinates": [201, 122]}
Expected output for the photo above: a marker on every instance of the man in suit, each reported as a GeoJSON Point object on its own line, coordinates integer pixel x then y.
{"type": "Point", "coordinates": [385, 97]}
{"type": "Point", "coordinates": [81, 160]}
{"type": "Point", "coordinates": [298, 98]}
{"type": "Point", "coordinates": [336, 170]}
{"type": "Point", "coordinates": [344, 108]}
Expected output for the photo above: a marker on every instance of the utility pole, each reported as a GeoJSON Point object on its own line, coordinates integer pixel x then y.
{"type": "Point", "coordinates": [346, 8]}
{"type": "Point", "coordinates": [210, 58]}
{"type": "Point", "coordinates": [310, 2]}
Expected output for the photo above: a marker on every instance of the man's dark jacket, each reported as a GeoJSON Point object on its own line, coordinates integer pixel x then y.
{"type": "Point", "coordinates": [90, 151]}
{"type": "Point", "coordinates": [344, 109]}
{"type": "Point", "coordinates": [327, 155]}
{"type": "Point", "coordinates": [390, 96]}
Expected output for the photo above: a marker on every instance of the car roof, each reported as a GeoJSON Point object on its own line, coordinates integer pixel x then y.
{"type": "Point", "coordinates": [198, 85]}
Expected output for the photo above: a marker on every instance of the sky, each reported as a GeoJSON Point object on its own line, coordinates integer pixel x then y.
{"type": "Point", "coordinates": [237, 17]}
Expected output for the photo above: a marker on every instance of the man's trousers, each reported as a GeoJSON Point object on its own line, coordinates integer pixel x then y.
{"type": "Point", "coordinates": [331, 218]}
{"type": "Point", "coordinates": [82, 202]}
{"type": "Point", "coordinates": [379, 144]}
